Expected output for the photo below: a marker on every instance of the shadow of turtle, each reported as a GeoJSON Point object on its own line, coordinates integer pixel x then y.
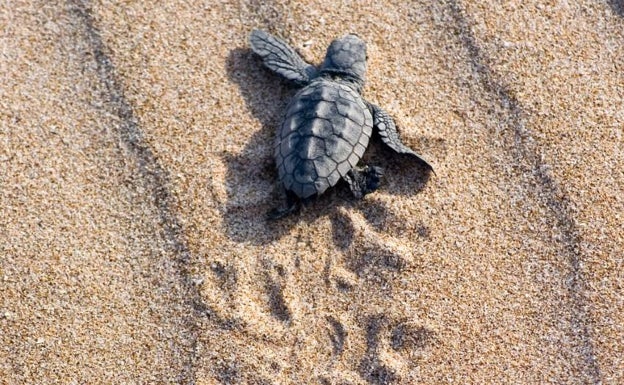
{"type": "Point", "coordinates": [403, 175]}
{"type": "Point", "coordinates": [251, 178]}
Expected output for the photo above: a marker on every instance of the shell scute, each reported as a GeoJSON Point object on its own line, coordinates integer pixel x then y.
{"type": "Point", "coordinates": [305, 172]}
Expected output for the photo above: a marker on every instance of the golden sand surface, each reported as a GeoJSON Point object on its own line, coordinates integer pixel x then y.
{"type": "Point", "coordinates": [136, 170]}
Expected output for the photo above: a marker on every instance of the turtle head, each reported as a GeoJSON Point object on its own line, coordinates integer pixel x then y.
{"type": "Point", "coordinates": [346, 58]}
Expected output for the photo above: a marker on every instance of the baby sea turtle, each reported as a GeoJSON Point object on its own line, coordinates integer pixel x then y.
{"type": "Point", "coordinates": [328, 124]}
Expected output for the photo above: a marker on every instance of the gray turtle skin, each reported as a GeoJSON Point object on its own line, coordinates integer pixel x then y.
{"type": "Point", "coordinates": [328, 124]}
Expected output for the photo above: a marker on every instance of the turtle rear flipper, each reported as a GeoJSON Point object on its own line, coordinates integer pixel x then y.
{"type": "Point", "coordinates": [293, 204]}
{"type": "Point", "coordinates": [389, 134]}
{"type": "Point", "coordinates": [279, 57]}
{"type": "Point", "coordinates": [364, 180]}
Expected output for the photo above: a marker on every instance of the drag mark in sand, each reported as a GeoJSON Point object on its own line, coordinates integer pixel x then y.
{"type": "Point", "coordinates": [527, 155]}
{"type": "Point", "coordinates": [153, 176]}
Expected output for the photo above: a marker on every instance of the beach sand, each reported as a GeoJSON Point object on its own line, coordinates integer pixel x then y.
{"type": "Point", "coordinates": [136, 170]}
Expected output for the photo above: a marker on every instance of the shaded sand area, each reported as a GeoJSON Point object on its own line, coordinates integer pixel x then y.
{"type": "Point", "coordinates": [136, 169]}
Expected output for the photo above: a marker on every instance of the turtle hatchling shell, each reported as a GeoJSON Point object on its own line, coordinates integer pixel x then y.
{"type": "Point", "coordinates": [324, 135]}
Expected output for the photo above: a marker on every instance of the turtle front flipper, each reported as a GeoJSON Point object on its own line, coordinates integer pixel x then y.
{"type": "Point", "coordinates": [389, 134]}
{"type": "Point", "coordinates": [279, 57]}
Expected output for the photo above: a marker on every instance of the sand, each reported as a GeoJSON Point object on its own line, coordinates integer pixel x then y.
{"type": "Point", "coordinates": [136, 169]}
